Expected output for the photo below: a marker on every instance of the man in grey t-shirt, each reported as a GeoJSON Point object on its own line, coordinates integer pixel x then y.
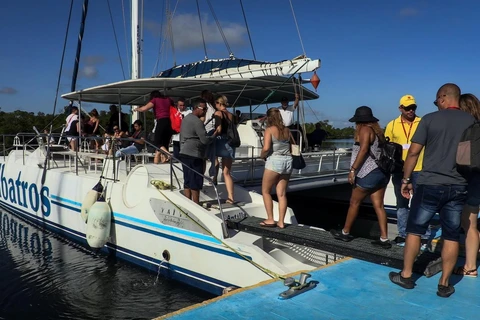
{"type": "Point", "coordinates": [440, 188]}
{"type": "Point", "coordinates": [193, 141]}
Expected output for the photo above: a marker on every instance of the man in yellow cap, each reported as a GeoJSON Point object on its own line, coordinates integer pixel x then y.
{"type": "Point", "coordinates": [401, 130]}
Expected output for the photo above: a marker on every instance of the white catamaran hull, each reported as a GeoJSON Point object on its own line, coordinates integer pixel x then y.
{"type": "Point", "coordinates": [147, 229]}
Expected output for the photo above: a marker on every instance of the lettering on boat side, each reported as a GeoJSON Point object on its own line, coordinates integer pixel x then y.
{"type": "Point", "coordinates": [24, 194]}
{"type": "Point", "coordinates": [239, 215]}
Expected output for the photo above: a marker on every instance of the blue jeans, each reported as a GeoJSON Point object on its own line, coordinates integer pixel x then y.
{"type": "Point", "coordinates": [428, 200]}
{"type": "Point", "coordinates": [128, 150]}
{"type": "Point", "coordinates": [176, 149]}
{"type": "Point", "coordinates": [403, 208]}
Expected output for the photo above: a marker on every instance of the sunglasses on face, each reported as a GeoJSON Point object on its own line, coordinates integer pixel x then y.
{"type": "Point", "coordinates": [410, 108]}
{"type": "Point", "coordinates": [436, 101]}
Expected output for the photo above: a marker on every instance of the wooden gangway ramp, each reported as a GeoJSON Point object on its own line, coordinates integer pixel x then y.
{"type": "Point", "coordinates": [427, 263]}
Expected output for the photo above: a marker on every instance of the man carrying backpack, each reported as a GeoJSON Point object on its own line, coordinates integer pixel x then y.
{"type": "Point", "coordinates": [439, 189]}
{"type": "Point", "coordinates": [401, 131]}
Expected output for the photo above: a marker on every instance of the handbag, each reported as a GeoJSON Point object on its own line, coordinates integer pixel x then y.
{"type": "Point", "coordinates": [298, 162]}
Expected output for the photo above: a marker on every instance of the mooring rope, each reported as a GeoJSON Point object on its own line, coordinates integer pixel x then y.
{"type": "Point", "coordinates": [158, 184]}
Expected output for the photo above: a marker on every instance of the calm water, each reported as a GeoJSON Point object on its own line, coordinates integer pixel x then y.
{"type": "Point", "coordinates": [45, 277]}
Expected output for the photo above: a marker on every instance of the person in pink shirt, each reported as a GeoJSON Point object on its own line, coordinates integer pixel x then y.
{"type": "Point", "coordinates": [163, 127]}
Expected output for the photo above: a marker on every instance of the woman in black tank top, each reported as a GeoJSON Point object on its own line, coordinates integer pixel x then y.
{"type": "Point", "coordinates": [223, 119]}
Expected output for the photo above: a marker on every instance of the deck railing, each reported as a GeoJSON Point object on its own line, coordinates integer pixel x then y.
{"type": "Point", "coordinates": [29, 141]}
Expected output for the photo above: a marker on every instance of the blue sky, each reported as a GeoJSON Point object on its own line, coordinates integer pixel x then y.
{"type": "Point", "coordinates": [372, 52]}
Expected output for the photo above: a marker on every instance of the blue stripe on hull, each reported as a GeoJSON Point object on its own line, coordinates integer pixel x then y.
{"type": "Point", "coordinates": [174, 272]}
{"type": "Point", "coordinates": [158, 233]}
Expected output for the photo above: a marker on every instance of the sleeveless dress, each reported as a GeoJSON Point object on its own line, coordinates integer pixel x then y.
{"type": "Point", "coordinates": [280, 158]}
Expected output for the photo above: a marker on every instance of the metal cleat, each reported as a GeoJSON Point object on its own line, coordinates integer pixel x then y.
{"type": "Point", "coordinates": [297, 287]}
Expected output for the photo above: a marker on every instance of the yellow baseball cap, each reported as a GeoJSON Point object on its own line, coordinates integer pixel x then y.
{"type": "Point", "coordinates": [407, 100]}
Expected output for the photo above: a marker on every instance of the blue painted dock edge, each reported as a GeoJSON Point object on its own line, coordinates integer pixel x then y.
{"type": "Point", "coordinates": [349, 289]}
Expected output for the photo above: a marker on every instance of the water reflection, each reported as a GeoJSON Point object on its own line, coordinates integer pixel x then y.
{"type": "Point", "coordinates": [43, 276]}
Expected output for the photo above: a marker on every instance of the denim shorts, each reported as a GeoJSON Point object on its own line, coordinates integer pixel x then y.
{"type": "Point", "coordinates": [473, 197]}
{"type": "Point", "coordinates": [374, 180]}
{"type": "Point", "coordinates": [448, 201]}
{"type": "Point", "coordinates": [210, 149]}
{"type": "Point", "coordinates": [279, 164]}
{"type": "Point", "coordinates": [223, 149]}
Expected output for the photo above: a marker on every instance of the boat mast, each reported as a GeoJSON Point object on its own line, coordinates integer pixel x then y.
{"type": "Point", "coordinates": [137, 43]}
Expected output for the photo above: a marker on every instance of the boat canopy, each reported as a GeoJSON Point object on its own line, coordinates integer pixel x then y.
{"type": "Point", "coordinates": [208, 66]}
{"type": "Point", "coordinates": [240, 92]}
{"type": "Point", "coordinates": [241, 68]}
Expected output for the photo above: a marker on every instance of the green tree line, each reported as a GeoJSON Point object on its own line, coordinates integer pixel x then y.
{"type": "Point", "coordinates": [333, 133]}
{"type": "Point", "coordinates": [23, 122]}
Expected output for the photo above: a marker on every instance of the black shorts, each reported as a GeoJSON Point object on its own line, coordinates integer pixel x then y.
{"type": "Point", "coordinates": [191, 179]}
{"type": "Point", "coordinates": [163, 133]}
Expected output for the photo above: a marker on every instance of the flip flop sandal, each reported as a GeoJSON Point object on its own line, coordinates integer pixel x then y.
{"type": "Point", "coordinates": [461, 271]}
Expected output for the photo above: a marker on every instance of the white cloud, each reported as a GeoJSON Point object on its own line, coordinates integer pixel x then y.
{"type": "Point", "coordinates": [89, 72]}
{"type": "Point", "coordinates": [8, 90]}
{"type": "Point", "coordinates": [409, 12]}
{"type": "Point", "coordinates": [89, 67]}
{"type": "Point", "coordinates": [187, 33]}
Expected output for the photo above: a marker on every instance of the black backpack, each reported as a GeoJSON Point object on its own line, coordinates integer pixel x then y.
{"type": "Point", "coordinates": [468, 150]}
{"type": "Point", "coordinates": [390, 159]}
{"type": "Point", "coordinates": [232, 133]}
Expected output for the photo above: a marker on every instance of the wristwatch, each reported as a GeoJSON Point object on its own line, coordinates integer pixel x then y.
{"type": "Point", "coordinates": [406, 181]}
{"type": "Point", "coordinates": [352, 170]}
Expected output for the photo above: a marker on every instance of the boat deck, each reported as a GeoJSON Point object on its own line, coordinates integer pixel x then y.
{"type": "Point", "coordinates": [427, 263]}
{"type": "Point", "coordinates": [349, 289]}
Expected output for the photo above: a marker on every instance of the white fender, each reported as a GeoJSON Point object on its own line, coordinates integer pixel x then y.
{"type": "Point", "coordinates": [89, 200]}
{"type": "Point", "coordinates": [98, 224]}
{"type": "Point", "coordinates": [87, 203]}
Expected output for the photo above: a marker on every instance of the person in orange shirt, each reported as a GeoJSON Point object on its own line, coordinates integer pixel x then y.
{"type": "Point", "coordinates": [401, 130]}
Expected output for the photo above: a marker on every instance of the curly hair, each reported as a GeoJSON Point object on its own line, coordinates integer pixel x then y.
{"type": "Point", "coordinates": [470, 103]}
{"type": "Point", "coordinates": [274, 119]}
{"type": "Point", "coordinates": [207, 95]}
{"type": "Point", "coordinates": [374, 125]}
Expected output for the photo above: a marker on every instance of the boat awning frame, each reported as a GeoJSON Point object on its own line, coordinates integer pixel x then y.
{"type": "Point", "coordinates": [252, 91]}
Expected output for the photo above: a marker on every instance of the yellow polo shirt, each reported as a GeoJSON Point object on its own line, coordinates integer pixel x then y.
{"type": "Point", "coordinates": [402, 133]}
